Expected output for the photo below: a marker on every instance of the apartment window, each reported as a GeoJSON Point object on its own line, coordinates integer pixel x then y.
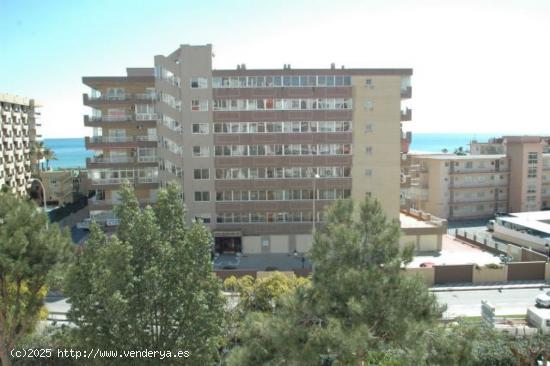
{"type": "Point", "coordinates": [531, 172]}
{"type": "Point", "coordinates": [531, 198]}
{"type": "Point", "coordinates": [200, 127]}
{"type": "Point", "coordinates": [368, 172]}
{"type": "Point", "coordinates": [201, 151]}
{"type": "Point", "coordinates": [369, 83]}
{"type": "Point", "coordinates": [199, 105]}
{"type": "Point", "coordinates": [468, 165]}
{"type": "Point", "coordinates": [205, 218]}
{"type": "Point", "coordinates": [532, 158]}
{"type": "Point", "coordinates": [369, 105]}
{"type": "Point", "coordinates": [198, 83]}
{"type": "Point", "coordinates": [532, 189]}
{"type": "Point", "coordinates": [369, 128]}
{"type": "Point", "coordinates": [202, 196]}
{"type": "Point", "coordinates": [368, 150]}
{"type": "Point", "coordinates": [201, 174]}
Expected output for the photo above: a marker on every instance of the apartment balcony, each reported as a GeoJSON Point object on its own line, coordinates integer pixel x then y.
{"type": "Point", "coordinates": [121, 162]}
{"type": "Point", "coordinates": [147, 120]}
{"type": "Point", "coordinates": [477, 186]}
{"type": "Point", "coordinates": [141, 182]}
{"type": "Point", "coordinates": [406, 115]}
{"type": "Point", "coordinates": [96, 205]}
{"type": "Point", "coordinates": [129, 98]}
{"type": "Point", "coordinates": [106, 142]}
{"type": "Point", "coordinates": [406, 93]}
{"type": "Point", "coordinates": [478, 171]}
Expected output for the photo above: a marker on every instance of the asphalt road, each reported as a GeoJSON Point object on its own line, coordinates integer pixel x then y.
{"type": "Point", "coordinates": [507, 302]}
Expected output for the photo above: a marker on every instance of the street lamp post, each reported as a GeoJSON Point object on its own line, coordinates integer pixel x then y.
{"type": "Point", "coordinates": [315, 177]}
{"type": "Point", "coordinates": [43, 198]}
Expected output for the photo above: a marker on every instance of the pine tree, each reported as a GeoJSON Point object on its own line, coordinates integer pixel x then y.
{"type": "Point", "coordinates": [29, 251]}
{"type": "Point", "coordinates": [151, 286]}
{"type": "Point", "coordinates": [360, 308]}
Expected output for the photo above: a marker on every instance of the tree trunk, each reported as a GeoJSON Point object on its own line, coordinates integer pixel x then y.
{"type": "Point", "coordinates": [4, 355]}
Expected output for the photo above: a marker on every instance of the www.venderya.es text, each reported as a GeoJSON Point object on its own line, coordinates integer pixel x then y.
{"type": "Point", "coordinates": [96, 353]}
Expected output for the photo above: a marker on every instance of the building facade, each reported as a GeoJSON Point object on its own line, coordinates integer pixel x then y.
{"type": "Point", "coordinates": [478, 186]}
{"type": "Point", "coordinates": [18, 134]}
{"type": "Point", "coordinates": [124, 138]}
{"type": "Point", "coordinates": [260, 153]}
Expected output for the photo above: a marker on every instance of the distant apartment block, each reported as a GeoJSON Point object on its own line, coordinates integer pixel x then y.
{"type": "Point", "coordinates": [124, 138]}
{"type": "Point", "coordinates": [258, 153]}
{"type": "Point", "coordinates": [17, 133]}
{"type": "Point", "coordinates": [478, 186]}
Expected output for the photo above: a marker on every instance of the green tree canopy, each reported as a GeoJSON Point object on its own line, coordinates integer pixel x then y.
{"type": "Point", "coordinates": [29, 251]}
{"type": "Point", "coordinates": [359, 308]}
{"type": "Point", "coordinates": [149, 286]}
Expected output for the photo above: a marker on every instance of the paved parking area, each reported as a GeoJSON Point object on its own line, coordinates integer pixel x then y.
{"type": "Point", "coordinates": [455, 252]}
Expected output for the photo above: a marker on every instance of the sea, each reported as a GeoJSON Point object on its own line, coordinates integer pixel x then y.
{"type": "Point", "coordinates": [71, 152]}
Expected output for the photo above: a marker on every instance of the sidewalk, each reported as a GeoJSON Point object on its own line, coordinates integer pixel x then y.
{"type": "Point", "coordinates": [491, 286]}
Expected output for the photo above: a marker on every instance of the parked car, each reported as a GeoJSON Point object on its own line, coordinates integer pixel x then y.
{"type": "Point", "coordinates": [543, 299]}
{"type": "Point", "coordinates": [491, 225]}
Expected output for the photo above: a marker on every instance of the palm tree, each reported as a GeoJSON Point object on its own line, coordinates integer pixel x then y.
{"type": "Point", "coordinates": [37, 152]}
{"type": "Point", "coordinates": [48, 155]}
{"type": "Point", "coordinates": [460, 151]}
{"type": "Point", "coordinates": [444, 150]}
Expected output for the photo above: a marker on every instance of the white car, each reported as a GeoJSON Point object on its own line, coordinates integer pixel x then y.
{"type": "Point", "coordinates": [543, 299]}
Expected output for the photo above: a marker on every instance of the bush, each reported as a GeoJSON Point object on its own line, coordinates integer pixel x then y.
{"type": "Point", "coordinates": [493, 266]}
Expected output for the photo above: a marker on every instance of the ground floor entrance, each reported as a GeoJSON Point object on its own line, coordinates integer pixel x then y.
{"type": "Point", "coordinates": [228, 244]}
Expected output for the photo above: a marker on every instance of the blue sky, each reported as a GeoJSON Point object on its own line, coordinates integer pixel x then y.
{"type": "Point", "coordinates": [479, 66]}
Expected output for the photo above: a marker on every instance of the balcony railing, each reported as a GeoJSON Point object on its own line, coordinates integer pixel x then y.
{"type": "Point", "coordinates": [406, 92]}
{"type": "Point", "coordinates": [122, 97]}
{"type": "Point", "coordinates": [122, 159]}
{"type": "Point", "coordinates": [116, 181]}
{"type": "Point", "coordinates": [406, 115]}
{"type": "Point", "coordinates": [115, 139]}
{"type": "Point", "coordinates": [125, 118]}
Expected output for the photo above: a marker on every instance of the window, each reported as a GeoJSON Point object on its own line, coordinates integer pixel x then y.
{"type": "Point", "coordinates": [205, 218]}
{"type": "Point", "coordinates": [199, 105]}
{"type": "Point", "coordinates": [198, 83]}
{"type": "Point", "coordinates": [468, 165]}
{"type": "Point", "coordinates": [532, 189]}
{"type": "Point", "coordinates": [369, 105]}
{"type": "Point", "coordinates": [202, 196]}
{"type": "Point", "coordinates": [201, 174]}
{"type": "Point", "coordinates": [531, 198]}
{"type": "Point", "coordinates": [532, 158]}
{"type": "Point", "coordinates": [201, 151]}
{"type": "Point", "coordinates": [200, 128]}
{"type": "Point", "coordinates": [368, 150]}
{"type": "Point", "coordinates": [368, 172]}
{"type": "Point", "coordinates": [369, 128]}
{"type": "Point", "coordinates": [369, 83]}
{"type": "Point", "coordinates": [532, 172]}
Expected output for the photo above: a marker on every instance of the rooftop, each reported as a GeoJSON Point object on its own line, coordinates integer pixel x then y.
{"type": "Point", "coordinates": [454, 251]}
{"type": "Point", "coordinates": [535, 220]}
{"type": "Point", "coordinates": [458, 157]}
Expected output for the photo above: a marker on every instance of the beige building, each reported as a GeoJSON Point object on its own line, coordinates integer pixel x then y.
{"type": "Point", "coordinates": [124, 138]}
{"type": "Point", "coordinates": [478, 186]}
{"type": "Point", "coordinates": [260, 152]}
{"type": "Point", "coordinates": [63, 186]}
{"type": "Point", "coordinates": [17, 134]}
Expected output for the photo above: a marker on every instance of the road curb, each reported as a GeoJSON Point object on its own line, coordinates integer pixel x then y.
{"type": "Point", "coordinates": [494, 287]}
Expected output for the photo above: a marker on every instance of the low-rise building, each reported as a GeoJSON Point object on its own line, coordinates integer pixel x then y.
{"type": "Point", "coordinates": [528, 229]}
{"type": "Point", "coordinates": [478, 186]}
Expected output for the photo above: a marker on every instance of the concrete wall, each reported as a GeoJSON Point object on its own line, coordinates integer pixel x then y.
{"type": "Point", "coordinates": [251, 245]}
{"type": "Point", "coordinates": [547, 274]}
{"type": "Point", "coordinates": [460, 273]}
{"type": "Point", "coordinates": [484, 274]}
{"type": "Point", "coordinates": [528, 271]}
{"type": "Point", "coordinates": [427, 275]}
{"type": "Point", "coordinates": [384, 139]}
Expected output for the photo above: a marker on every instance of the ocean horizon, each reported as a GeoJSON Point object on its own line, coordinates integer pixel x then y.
{"type": "Point", "coordinates": [71, 152]}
